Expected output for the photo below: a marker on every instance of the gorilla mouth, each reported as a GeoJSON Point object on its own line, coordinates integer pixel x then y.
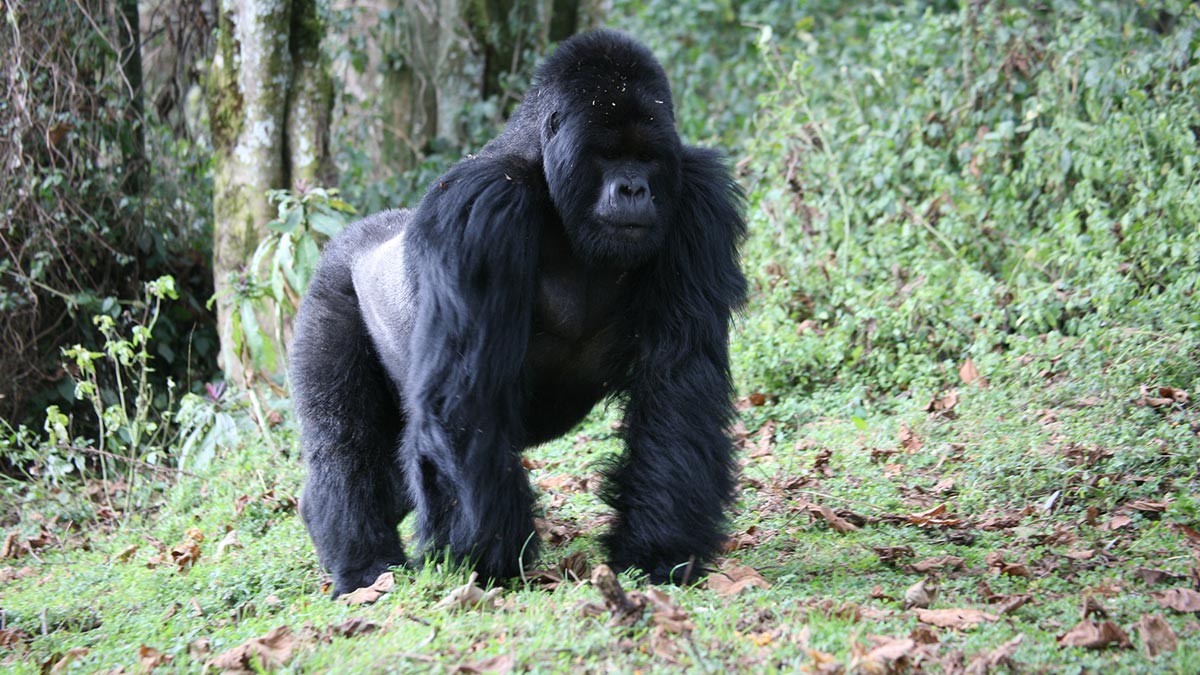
{"type": "Point", "coordinates": [631, 230]}
{"type": "Point", "coordinates": [626, 224]}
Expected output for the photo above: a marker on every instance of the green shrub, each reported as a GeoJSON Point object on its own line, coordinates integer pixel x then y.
{"type": "Point", "coordinates": [948, 181]}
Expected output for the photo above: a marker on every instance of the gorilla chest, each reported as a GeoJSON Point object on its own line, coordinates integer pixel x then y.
{"type": "Point", "coordinates": [577, 327]}
{"type": "Point", "coordinates": [576, 350]}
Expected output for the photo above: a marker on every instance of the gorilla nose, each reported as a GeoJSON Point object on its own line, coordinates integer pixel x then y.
{"type": "Point", "coordinates": [630, 192]}
{"type": "Point", "coordinates": [627, 202]}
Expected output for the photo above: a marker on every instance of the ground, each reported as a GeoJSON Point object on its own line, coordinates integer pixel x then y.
{"type": "Point", "coordinates": [988, 494]}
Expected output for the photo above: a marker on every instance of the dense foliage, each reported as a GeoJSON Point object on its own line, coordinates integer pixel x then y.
{"type": "Point", "coordinates": [95, 196]}
{"type": "Point", "coordinates": [934, 182]}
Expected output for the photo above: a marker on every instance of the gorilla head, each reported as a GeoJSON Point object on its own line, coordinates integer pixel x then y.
{"type": "Point", "coordinates": [610, 152]}
{"type": "Point", "coordinates": [584, 254]}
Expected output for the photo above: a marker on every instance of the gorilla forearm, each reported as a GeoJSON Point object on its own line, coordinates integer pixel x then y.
{"type": "Point", "coordinates": [671, 488]}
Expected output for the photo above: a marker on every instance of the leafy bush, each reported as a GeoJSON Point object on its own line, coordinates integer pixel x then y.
{"type": "Point", "coordinates": [88, 212]}
{"type": "Point", "coordinates": [136, 424]}
{"type": "Point", "coordinates": [279, 271]}
{"type": "Point", "coordinates": [936, 185]}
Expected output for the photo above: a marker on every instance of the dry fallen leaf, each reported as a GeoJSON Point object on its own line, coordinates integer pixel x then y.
{"type": "Point", "coordinates": [1149, 506]}
{"type": "Point", "coordinates": [886, 657]}
{"type": "Point", "coordinates": [1116, 523]}
{"type": "Point", "coordinates": [10, 573]}
{"type": "Point", "coordinates": [1156, 635]}
{"type": "Point", "coordinates": [227, 543]}
{"type": "Point", "coordinates": [150, 658]}
{"type": "Point", "coordinates": [57, 664]}
{"type": "Point", "coordinates": [932, 516]}
{"type": "Point", "coordinates": [1192, 535]}
{"type": "Point", "coordinates": [270, 651]}
{"type": "Point", "coordinates": [1090, 635]}
{"type": "Point", "coordinates": [892, 554]}
{"type": "Point", "coordinates": [669, 616]}
{"type": "Point", "coordinates": [355, 625]}
{"type": "Point", "coordinates": [921, 594]}
{"type": "Point", "coordinates": [571, 569]}
{"type": "Point", "coordinates": [835, 521]}
{"type": "Point", "coordinates": [735, 580]}
{"type": "Point", "coordinates": [737, 542]}
{"type": "Point", "coordinates": [1014, 570]}
{"type": "Point", "coordinates": [954, 618]}
{"type": "Point", "coordinates": [384, 583]}
{"type": "Point", "coordinates": [1178, 599]}
{"type": "Point", "coordinates": [125, 554]}
{"type": "Point", "coordinates": [470, 596]}
{"type": "Point", "coordinates": [820, 663]}
{"type": "Point", "coordinates": [1011, 603]}
{"type": "Point", "coordinates": [187, 552]}
{"type": "Point", "coordinates": [1000, 656]}
{"type": "Point", "coordinates": [764, 443]}
{"type": "Point", "coordinates": [1160, 396]}
{"type": "Point", "coordinates": [9, 548]}
{"type": "Point", "coordinates": [1091, 606]}
{"type": "Point", "coordinates": [938, 563]}
{"type": "Point", "coordinates": [821, 462]}
{"type": "Point", "coordinates": [943, 403]}
{"type": "Point", "coordinates": [1153, 577]}
{"type": "Point", "coordinates": [199, 648]}
{"type": "Point", "coordinates": [969, 373]}
{"type": "Point", "coordinates": [909, 440]}
{"type": "Point", "coordinates": [12, 638]}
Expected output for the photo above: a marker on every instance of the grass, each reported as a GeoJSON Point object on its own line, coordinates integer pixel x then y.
{"type": "Point", "coordinates": [1008, 451]}
{"type": "Point", "coordinates": [930, 186]}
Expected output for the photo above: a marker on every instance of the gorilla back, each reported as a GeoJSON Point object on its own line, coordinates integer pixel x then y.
{"type": "Point", "coordinates": [584, 253]}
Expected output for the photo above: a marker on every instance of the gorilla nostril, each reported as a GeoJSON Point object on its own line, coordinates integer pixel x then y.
{"type": "Point", "coordinates": [635, 189]}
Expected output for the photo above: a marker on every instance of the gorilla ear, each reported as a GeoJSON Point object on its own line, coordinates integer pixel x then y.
{"type": "Point", "coordinates": [551, 126]}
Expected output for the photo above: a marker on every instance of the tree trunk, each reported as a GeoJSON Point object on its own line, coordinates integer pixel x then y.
{"type": "Point", "coordinates": [133, 146]}
{"type": "Point", "coordinates": [438, 57]}
{"type": "Point", "coordinates": [407, 109]}
{"type": "Point", "coordinates": [268, 98]}
{"type": "Point", "coordinates": [310, 101]}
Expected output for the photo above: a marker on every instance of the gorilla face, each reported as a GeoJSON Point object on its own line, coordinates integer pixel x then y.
{"type": "Point", "coordinates": [614, 175]}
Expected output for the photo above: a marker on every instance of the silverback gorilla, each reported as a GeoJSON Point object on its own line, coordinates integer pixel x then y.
{"type": "Point", "coordinates": [584, 253]}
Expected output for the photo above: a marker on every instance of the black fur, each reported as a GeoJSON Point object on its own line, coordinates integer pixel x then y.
{"type": "Point", "coordinates": [584, 253]}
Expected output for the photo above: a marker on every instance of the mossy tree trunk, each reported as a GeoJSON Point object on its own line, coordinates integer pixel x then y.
{"type": "Point", "coordinates": [440, 56]}
{"type": "Point", "coordinates": [269, 99]}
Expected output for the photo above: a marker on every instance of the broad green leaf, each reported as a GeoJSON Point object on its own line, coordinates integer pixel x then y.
{"type": "Point", "coordinates": [325, 224]}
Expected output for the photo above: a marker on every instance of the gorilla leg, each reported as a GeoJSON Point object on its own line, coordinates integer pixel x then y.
{"type": "Point", "coordinates": [351, 423]}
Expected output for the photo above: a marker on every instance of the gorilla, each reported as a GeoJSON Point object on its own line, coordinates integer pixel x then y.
{"type": "Point", "coordinates": [584, 254]}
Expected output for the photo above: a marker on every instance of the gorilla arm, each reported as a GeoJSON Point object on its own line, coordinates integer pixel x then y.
{"type": "Point", "coordinates": [672, 485]}
{"type": "Point", "coordinates": [472, 254]}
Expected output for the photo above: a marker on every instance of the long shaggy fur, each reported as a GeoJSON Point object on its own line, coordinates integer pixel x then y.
{"type": "Point", "coordinates": [435, 345]}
